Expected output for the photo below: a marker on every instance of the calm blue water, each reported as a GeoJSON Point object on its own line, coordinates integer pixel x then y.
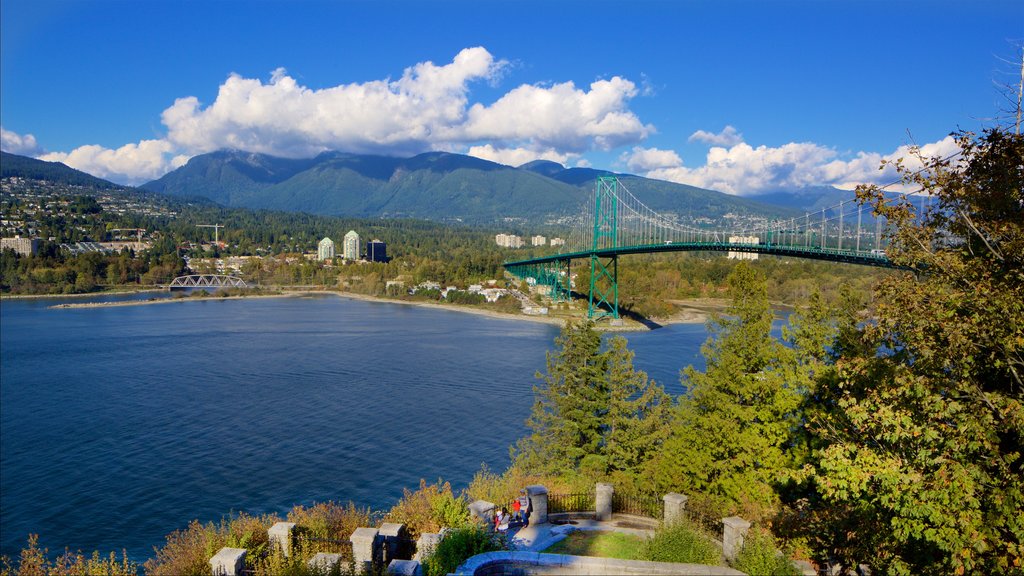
{"type": "Point", "coordinates": [120, 425]}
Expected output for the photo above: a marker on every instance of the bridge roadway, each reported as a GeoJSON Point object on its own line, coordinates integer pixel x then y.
{"type": "Point", "coordinates": [808, 252]}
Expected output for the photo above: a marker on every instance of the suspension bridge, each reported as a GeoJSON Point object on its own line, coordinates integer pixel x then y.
{"type": "Point", "coordinates": [615, 223]}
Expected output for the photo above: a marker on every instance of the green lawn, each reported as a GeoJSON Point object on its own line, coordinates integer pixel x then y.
{"type": "Point", "coordinates": [599, 543]}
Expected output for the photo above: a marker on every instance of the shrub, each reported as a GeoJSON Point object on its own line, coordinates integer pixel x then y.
{"type": "Point", "coordinates": [760, 556]}
{"type": "Point", "coordinates": [459, 545]}
{"type": "Point", "coordinates": [34, 561]}
{"type": "Point", "coordinates": [429, 509]}
{"type": "Point", "coordinates": [681, 542]}
{"type": "Point", "coordinates": [188, 551]}
{"type": "Point", "coordinates": [326, 521]}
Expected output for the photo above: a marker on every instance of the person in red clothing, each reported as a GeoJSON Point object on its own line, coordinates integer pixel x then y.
{"type": "Point", "coordinates": [516, 507]}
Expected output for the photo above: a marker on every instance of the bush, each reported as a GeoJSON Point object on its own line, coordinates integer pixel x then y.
{"type": "Point", "coordinates": [34, 560]}
{"type": "Point", "coordinates": [681, 542]}
{"type": "Point", "coordinates": [759, 556]}
{"type": "Point", "coordinates": [459, 545]}
{"type": "Point", "coordinates": [429, 509]}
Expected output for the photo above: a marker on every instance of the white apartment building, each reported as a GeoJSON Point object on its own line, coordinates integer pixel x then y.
{"type": "Point", "coordinates": [509, 241]}
{"type": "Point", "coordinates": [557, 242]}
{"type": "Point", "coordinates": [325, 249]}
{"type": "Point", "coordinates": [350, 246]}
{"type": "Point", "coordinates": [538, 240]}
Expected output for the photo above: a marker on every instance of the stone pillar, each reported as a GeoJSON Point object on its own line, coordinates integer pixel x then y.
{"type": "Point", "coordinates": [405, 568]}
{"type": "Point", "coordinates": [482, 511]}
{"type": "Point", "coordinates": [734, 529]}
{"type": "Point", "coordinates": [394, 536]}
{"type": "Point", "coordinates": [675, 507]}
{"type": "Point", "coordinates": [228, 562]}
{"type": "Point", "coordinates": [323, 562]}
{"type": "Point", "coordinates": [365, 549]}
{"type": "Point", "coordinates": [280, 536]}
{"type": "Point", "coordinates": [426, 545]}
{"type": "Point", "coordinates": [604, 501]}
{"type": "Point", "coordinates": [539, 503]}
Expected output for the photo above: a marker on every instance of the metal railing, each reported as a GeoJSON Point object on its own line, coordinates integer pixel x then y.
{"type": "Point", "coordinates": [638, 505]}
{"type": "Point", "coordinates": [579, 502]}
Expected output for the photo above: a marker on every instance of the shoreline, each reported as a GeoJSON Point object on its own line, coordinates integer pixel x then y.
{"type": "Point", "coordinates": [688, 311]}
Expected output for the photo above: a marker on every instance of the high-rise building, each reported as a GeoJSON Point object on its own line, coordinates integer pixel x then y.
{"type": "Point", "coordinates": [376, 251]}
{"type": "Point", "coordinates": [325, 250]}
{"type": "Point", "coordinates": [351, 245]}
{"type": "Point", "coordinates": [538, 240]}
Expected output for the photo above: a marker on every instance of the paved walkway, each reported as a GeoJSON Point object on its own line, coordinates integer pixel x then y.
{"type": "Point", "coordinates": [537, 537]}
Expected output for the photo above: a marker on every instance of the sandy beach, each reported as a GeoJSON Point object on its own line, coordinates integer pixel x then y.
{"type": "Point", "coordinates": [688, 311]}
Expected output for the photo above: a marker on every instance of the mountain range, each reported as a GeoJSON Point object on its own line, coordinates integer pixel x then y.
{"type": "Point", "coordinates": [436, 186]}
{"type": "Point", "coordinates": [433, 186]}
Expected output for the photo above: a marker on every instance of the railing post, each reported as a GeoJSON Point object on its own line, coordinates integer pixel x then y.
{"type": "Point", "coordinates": [734, 529]}
{"type": "Point", "coordinates": [603, 499]}
{"type": "Point", "coordinates": [280, 536]}
{"type": "Point", "coordinates": [365, 551]}
{"type": "Point", "coordinates": [482, 511]}
{"type": "Point", "coordinates": [426, 545]}
{"type": "Point", "coordinates": [539, 503]}
{"type": "Point", "coordinates": [675, 507]}
{"type": "Point", "coordinates": [393, 536]}
{"type": "Point", "coordinates": [228, 562]}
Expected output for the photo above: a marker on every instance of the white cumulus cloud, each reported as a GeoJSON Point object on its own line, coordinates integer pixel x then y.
{"type": "Point", "coordinates": [648, 159]}
{"type": "Point", "coordinates": [745, 170]}
{"type": "Point", "coordinates": [129, 164]}
{"type": "Point", "coordinates": [561, 117]}
{"type": "Point", "coordinates": [24, 145]}
{"type": "Point", "coordinates": [518, 156]}
{"type": "Point", "coordinates": [427, 108]}
{"type": "Point", "coordinates": [727, 137]}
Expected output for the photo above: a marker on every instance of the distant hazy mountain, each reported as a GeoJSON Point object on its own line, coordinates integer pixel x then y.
{"type": "Point", "coordinates": [808, 199]}
{"type": "Point", "coordinates": [434, 185]}
{"type": "Point", "coordinates": [13, 165]}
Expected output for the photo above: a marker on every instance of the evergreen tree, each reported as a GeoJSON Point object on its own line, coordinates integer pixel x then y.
{"type": "Point", "coordinates": [595, 413]}
{"type": "Point", "coordinates": [732, 432]}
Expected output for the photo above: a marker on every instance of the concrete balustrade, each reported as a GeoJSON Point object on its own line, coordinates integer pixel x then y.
{"type": "Point", "coordinates": [280, 536]}
{"type": "Point", "coordinates": [228, 562]}
{"type": "Point", "coordinates": [675, 507]}
{"type": "Point", "coordinates": [734, 530]}
{"type": "Point", "coordinates": [604, 494]}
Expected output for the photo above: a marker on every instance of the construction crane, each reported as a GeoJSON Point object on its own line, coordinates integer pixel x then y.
{"type": "Point", "coordinates": [216, 228]}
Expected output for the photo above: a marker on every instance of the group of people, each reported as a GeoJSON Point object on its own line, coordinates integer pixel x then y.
{"type": "Point", "coordinates": [520, 515]}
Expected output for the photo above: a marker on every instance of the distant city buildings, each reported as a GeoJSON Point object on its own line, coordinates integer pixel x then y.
{"type": "Point", "coordinates": [509, 241]}
{"type": "Point", "coordinates": [23, 246]}
{"type": "Point", "coordinates": [743, 240]}
{"type": "Point", "coordinates": [513, 241]}
{"type": "Point", "coordinates": [376, 251]}
{"type": "Point", "coordinates": [351, 245]}
{"type": "Point", "coordinates": [325, 250]}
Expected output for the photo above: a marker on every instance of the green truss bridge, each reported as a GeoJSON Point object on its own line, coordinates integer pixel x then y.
{"type": "Point", "coordinates": [615, 223]}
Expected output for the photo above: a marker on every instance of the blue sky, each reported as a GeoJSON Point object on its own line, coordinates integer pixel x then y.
{"type": "Point", "coordinates": [739, 96]}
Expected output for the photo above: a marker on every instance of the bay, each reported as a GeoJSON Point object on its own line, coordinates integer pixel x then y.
{"type": "Point", "coordinates": [119, 425]}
